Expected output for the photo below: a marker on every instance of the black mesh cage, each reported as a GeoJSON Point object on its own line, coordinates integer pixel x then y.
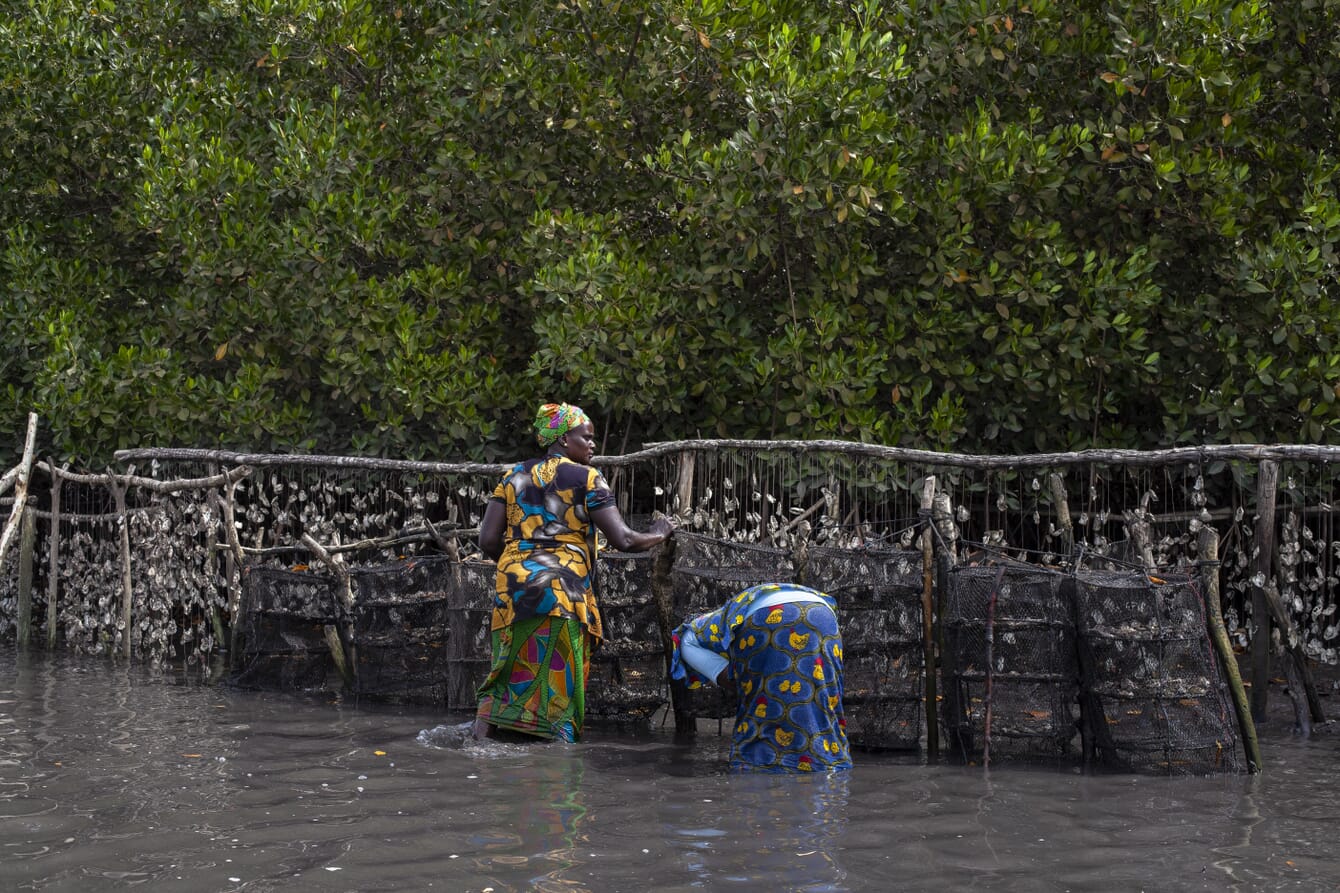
{"type": "Point", "coordinates": [706, 574]}
{"type": "Point", "coordinates": [627, 677]}
{"type": "Point", "coordinates": [1155, 697]}
{"type": "Point", "coordinates": [1114, 667]}
{"type": "Point", "coordinates": [879, 604]}
{"type": "Point", "coordinates": [469, 610]}
{"type": "Point", "coordinates": [285, 615]}
{"type": "Point", "coordinates": [401, 623]}
{"type": "Point", "coordinates": [1010, 668]}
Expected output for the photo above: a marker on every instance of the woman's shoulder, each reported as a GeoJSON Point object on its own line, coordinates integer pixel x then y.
{"type": "Point", "coordinates": [570, 471]}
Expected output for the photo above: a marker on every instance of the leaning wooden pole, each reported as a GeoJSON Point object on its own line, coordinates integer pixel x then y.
{"type": "Point", "coordinates": [1263, 548]}
{"type": "Point", "coordinates": [1209, 562]}
{"type": "Point", "coordinates": [1302, 690]}
{"type": "Point", "coordinates": [53, 558]}
{"type": "Point", "coordinates": [22, 473]}
{"type": "Point", "coordinates": [930, 659]}
{"type": "Point", "coordinates": [341, 645]}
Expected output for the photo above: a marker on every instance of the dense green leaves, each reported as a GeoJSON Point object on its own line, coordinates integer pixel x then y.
{"type": "Point", "coordinates": [380, 228]}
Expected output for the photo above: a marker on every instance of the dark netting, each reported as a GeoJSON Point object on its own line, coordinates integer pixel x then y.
{"type": "Point", "coordinates": [469, 610]}
{"type": "Point", "coordinates": [1154, 695]}
{"type": "Point", "coordinates": [1010, 668]}
{"type": "Point", "coordinates": [401, 624]}
{"type": "Point", "coordinates": [706, 574]}
{"type": "Point", "coordinates": [627, 679]}
{"type": "Point", "coordinates": [709, 572]}
{"type": "Point", "coordinates": [879, 603]}
{"type": "Point", "coordinates": [284, 619]}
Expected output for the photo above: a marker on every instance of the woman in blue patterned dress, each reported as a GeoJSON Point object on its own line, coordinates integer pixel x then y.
{"type": "Point", "coordinates": [540, 526]}
{"type": "Point", "coordinates": [779, 644]}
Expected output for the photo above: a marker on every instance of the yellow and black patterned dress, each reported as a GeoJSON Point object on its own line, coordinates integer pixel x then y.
{"type": "Point", "coordinates": [544, 609]}
{"type": "Point", "coordinates": [781, 644]}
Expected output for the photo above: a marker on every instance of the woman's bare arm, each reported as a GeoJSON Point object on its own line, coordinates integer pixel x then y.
{"type": "Point", "coordinates": [624, 538]}
{"type": "Point", "coordinates": [491, 529]}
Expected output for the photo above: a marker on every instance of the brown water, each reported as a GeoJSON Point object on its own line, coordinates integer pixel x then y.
{"type": "Point", "coordinates": [114, 778]}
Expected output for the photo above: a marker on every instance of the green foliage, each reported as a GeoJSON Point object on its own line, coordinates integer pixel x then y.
{"type": "Point", "coordinates": [393, 229]}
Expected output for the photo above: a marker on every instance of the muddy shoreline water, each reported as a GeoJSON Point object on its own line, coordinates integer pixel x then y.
{"type": "Point", "coordinates": [114, 778]}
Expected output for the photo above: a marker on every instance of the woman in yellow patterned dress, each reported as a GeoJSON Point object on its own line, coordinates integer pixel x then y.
{"type": "Point", "coordinates": [540, 526]}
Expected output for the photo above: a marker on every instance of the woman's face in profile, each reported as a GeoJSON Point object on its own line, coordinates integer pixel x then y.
{"type": "Point", "coordinates": [581, 443]}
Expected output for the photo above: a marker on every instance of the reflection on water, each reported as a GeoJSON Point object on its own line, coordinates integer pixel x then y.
{"type": "Point", "coordinates": [113, 778]}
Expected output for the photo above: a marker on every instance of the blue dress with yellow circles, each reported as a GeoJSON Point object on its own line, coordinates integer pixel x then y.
{"type": "Point", "coordinates": [786, 662]}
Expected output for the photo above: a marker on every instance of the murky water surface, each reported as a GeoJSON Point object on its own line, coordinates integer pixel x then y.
{"type": "Point", "coordinates": [113, 778]}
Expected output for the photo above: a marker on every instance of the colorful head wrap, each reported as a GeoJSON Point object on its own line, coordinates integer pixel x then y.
{"type": "Point", "coordinates": [556, 419]}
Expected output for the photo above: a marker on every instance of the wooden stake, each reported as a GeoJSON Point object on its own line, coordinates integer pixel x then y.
{"type": "Point", "coordinates": [232, 567]}
{"type": "Point", "coordinates": [928, 638]}
{"type": "Point", "coordinates": [946, 531]}
{"type": "Point", "coordinates": [942, 513]}
{"type": "Point", "coordinates": [684, 485]}
{"type": "Point", "coordinates": [211, 572]}
{"type": "Point", "coordinates": [332, 634]}
{"type": "Point", "coordinates": [1137, 525]}
{"type": "Point", "coordinates": [1263, 547]}
{"type": "Point", "coordinates": [127, 584]}
{"type": "Point", "coordinates": [800, 555]}
{"type": "Point", "coordinates": [1061, 505]}
{"type": "Point", "coordinates": [1209, 557]}
{"type": "Point", "coordinates": [662, 592]}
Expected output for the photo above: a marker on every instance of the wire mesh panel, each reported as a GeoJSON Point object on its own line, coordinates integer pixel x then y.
{"type": "Point", "coordinates": [879, 604]}
{"type": "Point", "coordinates": [1011, 672]}
{"type": "Point", "coordinates": [401, 623]}
{"type": "Point", "coordinates": [706, 574]}
{"type": "Point", "coordinates": [470, 606]}
{"type": "Point", "coordinates": [1155, 698]}
{"type": "Point", "coordinates": [9, 594]}
{"type": "Point", "coordinates": [284, 616]}
{"type": "Point", "coordinates": [627, 679]}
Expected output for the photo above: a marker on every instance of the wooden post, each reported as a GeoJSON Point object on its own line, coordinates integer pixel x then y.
{"type": "Point", "coordinates": [53, 558]}
{"type": "Point", "coordinates": [684, 485]}
{"type": "Point", "coordinates": [1263, 547]}
{"type": "Point", "coordinates": [211, 570]}
{"type": "Point", "coordinates": [127, 584]}
{"type": "Point", "coordinates": [1061, 504]}
{"type": "Point", "coordinates": [930, 660]}
{"type": "Point", "coordinates": [232, 567]}
{"type": "Point", "coordinates": [943, 514]}
{"type": "Point", "coordinates": [27, 543]}
{"type": "Point", "coordinates": [1209, 558]}
{"type": "Point", "coordinates": [942, 519]}
{"type": "Point", "coordinates": [662, 592]}
{"type": "Point", "coordinates": [800, 554]}
{"type": "Point", "coordinates": [1137, 524]}
{"type": "Point", "coordinates": [22, 473]}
